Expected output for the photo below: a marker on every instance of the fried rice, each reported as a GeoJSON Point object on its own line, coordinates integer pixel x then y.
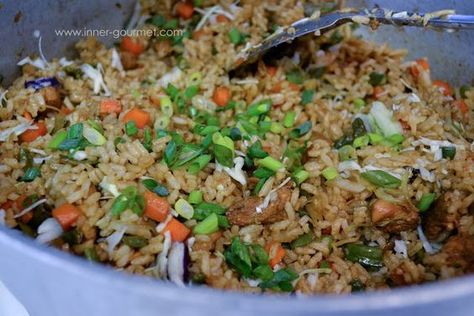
{"type": "Point", "coordinates": [332, 167]}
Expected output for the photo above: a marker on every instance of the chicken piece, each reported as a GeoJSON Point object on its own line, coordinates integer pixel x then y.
{"type": "Point", "coordinates": [394, 218]}
{"type": "Point", "coordinates": [406, 273]}
{"type": "Point", "coordinates": [51, 96]}
{"type": "Point", "coordinates": [442, 218]}
{"type": "Point", "coordinates": [459, 252]}
{"type": "Point", "coordinates": [129, 60]}
{"type": "Point", "coordinates": [245, 211]}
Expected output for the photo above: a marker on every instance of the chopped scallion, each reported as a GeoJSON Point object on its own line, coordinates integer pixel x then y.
{"type": "Point", "coordinates": [195, 197]}
{"type": "Point", "coordinates": [208, 226]}
{"type": "Point", "coordinates": [270, 163]}
{"type": "Point", "coordinates": [330, 173]}
{"type": "Point", "coordinates": [425, 202]}
{"type": "Point", "coordinates": [289, 119]}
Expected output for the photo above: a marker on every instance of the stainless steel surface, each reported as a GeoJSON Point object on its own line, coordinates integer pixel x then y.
{"type": "Point", "coordinates": [52, 283]}
{"type": "Point", "coordinates": [330, 21]}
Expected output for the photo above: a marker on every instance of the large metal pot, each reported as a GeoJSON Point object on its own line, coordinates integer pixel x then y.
{"type": "Point", "coordinates": [50, 282]}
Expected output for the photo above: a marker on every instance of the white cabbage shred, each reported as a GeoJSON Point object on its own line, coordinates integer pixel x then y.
{"type": "Point", "coordinates": [108, 186]}
{"type": "Point", "coordinates": [17, 130]}
{"type": "Point", "coordinates": [271, 196]}
{"type": "Point", "coordinates": [114, 239]}
{"type": "Point", "coordinates": [49, 230]}
{"type": "Point", "coordinates": [96, 76]}
{"type": "Point", "coordinates": [30, 208]}
{"type": "Point", "coordinates": [116, 62]}
{"type": "Point", "coordinates": [236, 172]}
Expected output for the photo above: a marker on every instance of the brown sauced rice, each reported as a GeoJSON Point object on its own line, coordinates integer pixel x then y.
{"type": "Point", "coordinates": [332, 210]}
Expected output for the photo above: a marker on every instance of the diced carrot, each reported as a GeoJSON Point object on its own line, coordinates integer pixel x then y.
{"type": "Point", "coordinates": [140, 117]}
{"type": "Point", "coordinates": [275, 253]}
{"type": "Point", "coordinates": [220, 18]}
{"type": "Point", "coordinates": [66, 214]}
{"type": "Point", "coordinates": [178, 231]}
{"type": "Point", "coordinates": [65, 110]}
{"type": "Point", "coordinates": [184, 9]}
{"type": "Point", "coordinates": [294, 86]}
{"type": "Point", "coordinates": [7, 205]}
{"type": "Point", "coordinates": [30, 135]}
{"type": "Point", "coordinates": [378, 91]}
{"type": "Point", "coordinates": [444, 87]}
{"type": "Point", "coordinates": [28, 116]}
{"type": "Point", "coordinates": [421, 63]}
{"type": "Point", "coordinates": [461, 105]}
{"type": "Point", "coordinates": [110, 106]}
{"type": "Point", "coordinates": [271, 71]}
{"type": "Point", "coordinates": [276, 88]}
{"type": "Point", "coordinates": [198, 34]}
{"type": "Point", "coordinates": [221, 96]}
{"type": "Point", "coordinates": [156, 207]}
{"type": "Point", "coordinates": [132, 45]}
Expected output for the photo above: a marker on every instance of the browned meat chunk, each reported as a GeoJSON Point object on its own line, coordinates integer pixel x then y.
{"type": "Point", "coordinates": [406, 273]}
{"type": "Point", "coordinates": [129, 61]}
{"type": "Point", "coordinates": [394, 218]}
{"type": "Point", "coordinates": [245, 211]}
{"type": "Point", "coordinates": [208, 244]}
{"type": "Point", "coordinates": [51, 96]}
{"type": "Point", "coordinates": [442, 218]}
{"type": "Point", "coordinates": [459, 251]}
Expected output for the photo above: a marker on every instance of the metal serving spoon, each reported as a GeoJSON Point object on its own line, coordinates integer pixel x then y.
{"type": "Point", "coordinates": [445, 19]}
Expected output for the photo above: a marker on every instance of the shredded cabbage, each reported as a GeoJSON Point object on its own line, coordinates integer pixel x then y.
{"type": "Point", "coordinates": [236, 172]}
{"type": "Point", "coordinates": [49, 230]}
{"type": "Point", "coordinates": [17, 130]}
{"type": "Point", "coordinates": [384, 120]}
{"type": "Point", "coordinates": [114, 239]}
{"type": "Point", "coordinates": [96, 76]}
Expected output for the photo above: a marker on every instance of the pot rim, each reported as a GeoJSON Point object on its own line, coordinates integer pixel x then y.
{"type": "Point", "coordinates": [200, 296]}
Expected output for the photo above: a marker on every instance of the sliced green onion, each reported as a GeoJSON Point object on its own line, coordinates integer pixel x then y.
{"type": "Point", "coordinates": [300, 176]}
{"type": "Point", "coordinates": [172, 91]}
{"type": "Point", "coordinates": [301, 130]}
{"type": "Point", "coordinates": [195, 197]}
{"type": "Point", "coordinates": [396, 139]}
{"type": "Point", "coordinates": [375, 138]}
{"type": "Point", "coordinates": [235, 134]}
{"type": "Point", "coordinates": [381, 178]}
{"type": "Point", "coordinates": [225, 141]}
{"type": "Point", "coordinates": [199, 163]}
{"type": "Point", "coordinates": [190, 92]}
{"type": "Point", "coordinates": [75, 130]}
{"type": "Point", "coordinates": [324, 265]}
{"type": "Point", "coordinates": [346, 152]}
{"type": "Point", "coordinates": [93, 136]}
{"type": "Point", "coordinates": [330, 173]}
{"type": "Point", "coordinates": [302, 240]}
{"type": "Point", "coordinates": [259, 108]}
{"type": "Point", "coordinates": [235, 36]}
{"type": "Point", "coordinates": [463, 90]}
{"type": "Point", "coordinates": [359, 103]}
{"type": "Point", "coordinates": [161, 122]}
{"type": "Point", "coordinates": [91, 254]}
{"type": "Point", "coordinates": [270, 163]}
{"type": "Point", "coordinates": [135, 242]}
{"type": "Point", "coordinates": [263, 173]}
{"type": "Point", "coordinates": [170, 153]}
{"type": "Point", "coordinates": [307, 96]}
{"type": "Point", "coordinates": [57, 139]}
{"type": "Point", "coordinates": [166, 106]}
{"type": "Point", "coordinates": [30, 174]}
{"type": "Point", "coordinates": [361, 141]}
{"type": "Point", "coordinates": [131, 128]}
{"type": "Point", "coordinates": [161, 190]}
{"type": "Point", "coordinates": [120, 204]}
{"type": "Point", "coordinates": [184, 209]}
{"type": "Point", "coordinates": [448, 152]}
{"type": "Point", "coordinates": [95, 125]}
{"type": "Point", "coordinates": [223, 149]}
{"type": "Point", "coordinates": [256, 150]}
{"type": "Point", "coordinates": [150, 184]}
{"type": "Point", "coordinates": [425, 202]}
{"type": "Point", "coordinates": [208, 226]}
{"type": "Point", "coordinates": [376, 78]}
{"type": "Point", "coordinates": [295, 76]}
{"type": "Point", "coordinates": [370, 257]}
{"type": "Point", "coordinates": [289, 119]}
{"type": "Point", "coordinates": [276, 128]}
{"type": "Point", "coordinates": [195, 79]}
